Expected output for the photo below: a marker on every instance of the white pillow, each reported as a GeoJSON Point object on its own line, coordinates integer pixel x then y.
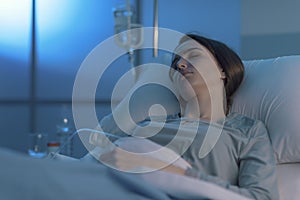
{"type": "Point", "coordinates": [270, 92]}
{"type": "Point", "coordinates": [289, 181]}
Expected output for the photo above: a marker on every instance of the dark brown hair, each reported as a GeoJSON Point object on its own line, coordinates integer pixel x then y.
{"type": "Point", "coordinates": [227, 59]}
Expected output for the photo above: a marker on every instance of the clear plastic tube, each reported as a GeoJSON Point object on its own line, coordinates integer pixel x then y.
{"type": "Point", "coordinates": [53, 154]}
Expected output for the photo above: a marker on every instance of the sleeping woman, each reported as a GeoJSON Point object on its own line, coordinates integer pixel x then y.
{"type": "Point", "coordinates": [206, 73]}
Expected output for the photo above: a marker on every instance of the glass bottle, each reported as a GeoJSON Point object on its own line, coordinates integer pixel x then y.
{"type": "Point", "coordinates": [64, 132]}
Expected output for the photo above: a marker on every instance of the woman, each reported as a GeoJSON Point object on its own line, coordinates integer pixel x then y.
{"type": "Point", "coordinates": [206, 74]}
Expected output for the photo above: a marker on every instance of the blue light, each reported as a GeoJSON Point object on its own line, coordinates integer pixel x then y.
{"type": "Point", "coordinates": [15, 27]}
{"type": "Point", "coordinates": [56, 24]}
{"type": "Point", "coordinates": [53, 16]}
{"type": "Point", "coordinates": [52, 19]}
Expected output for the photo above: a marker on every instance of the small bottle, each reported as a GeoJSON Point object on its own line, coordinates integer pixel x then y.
{"type": "Point", "coordinates": [53, 147]}
{"type": "Point", "coordinates": [64, 132]}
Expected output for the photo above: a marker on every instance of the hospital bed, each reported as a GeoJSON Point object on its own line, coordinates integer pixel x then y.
{"type": "Point", "coordinates": [269, 92]}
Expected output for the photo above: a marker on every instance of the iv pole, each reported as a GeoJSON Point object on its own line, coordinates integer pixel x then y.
{"type": "Point", "coordinates": [130, 50]}
{"type": "Point", "coordinates": [33, 68]}
{"type": "Point", "coordinates": [155, 30]}
{"type": "Point", "coordinates": [129, 41]}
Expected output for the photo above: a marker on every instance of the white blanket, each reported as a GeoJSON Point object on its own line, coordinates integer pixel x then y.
{"type": "Point", "coordinates": [29, 179]}
{"type": "Point", "coordinates": [181, 187]}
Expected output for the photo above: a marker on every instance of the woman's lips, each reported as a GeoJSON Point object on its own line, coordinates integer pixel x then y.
{"type": "Point", "coordinates": [186, 73]}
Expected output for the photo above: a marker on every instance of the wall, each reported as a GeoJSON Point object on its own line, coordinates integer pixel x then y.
{"type": "Point", "coordinates": [66, 32]}
{"type": "Point", "coordinates": [212, 18]}
{"type": "Point", "coordinates": [269, 28]}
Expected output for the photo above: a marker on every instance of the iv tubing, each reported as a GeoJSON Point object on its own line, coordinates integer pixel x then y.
{"type": "Point", "coordinates": [78, 131]}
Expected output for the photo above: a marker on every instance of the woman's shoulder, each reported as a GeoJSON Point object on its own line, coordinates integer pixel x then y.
{"type": "Point", "coordinates": [249, 127]}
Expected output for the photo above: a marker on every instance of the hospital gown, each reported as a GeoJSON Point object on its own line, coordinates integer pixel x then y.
{"type": "Point", "coordinates": [242, 159]}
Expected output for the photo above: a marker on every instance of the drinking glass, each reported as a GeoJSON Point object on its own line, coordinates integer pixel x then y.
{"type": "Point", "coordinates": [37, 145]}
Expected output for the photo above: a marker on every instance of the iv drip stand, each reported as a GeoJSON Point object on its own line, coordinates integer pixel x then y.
{"type": "Point", "coordinates": [155, 30]}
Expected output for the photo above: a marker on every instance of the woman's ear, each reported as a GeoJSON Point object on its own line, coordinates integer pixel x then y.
{"type": "Point", "coordinates": [223, 76]}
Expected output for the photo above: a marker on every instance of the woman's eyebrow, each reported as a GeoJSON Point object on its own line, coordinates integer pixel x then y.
{"type": "Point", "coordinates": [196, 49]}
{"type": "Point", "coordinates": [190, 49]}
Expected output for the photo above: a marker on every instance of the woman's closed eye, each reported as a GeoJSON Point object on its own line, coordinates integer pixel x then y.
{"type": "Point", "coordinates": [194, 54]}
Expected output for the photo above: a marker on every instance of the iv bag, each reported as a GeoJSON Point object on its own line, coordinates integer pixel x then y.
{"type": "Point", "coordinates": [129, 34]}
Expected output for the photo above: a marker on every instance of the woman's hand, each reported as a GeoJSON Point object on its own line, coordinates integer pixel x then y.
{"type": "Point", "coordinates": [124, 160]}
{"type": "Point", "coordinates": [129, 161]}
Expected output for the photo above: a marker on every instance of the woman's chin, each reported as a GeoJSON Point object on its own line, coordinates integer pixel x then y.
{"type": "Point", "coordinates": [187, 96]}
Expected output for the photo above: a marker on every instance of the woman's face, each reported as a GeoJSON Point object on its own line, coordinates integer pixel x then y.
{"type": "Point", "coordinates": [196, 70]}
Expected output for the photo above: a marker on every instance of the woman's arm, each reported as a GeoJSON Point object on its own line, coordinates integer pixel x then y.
{"type": "Point", "coordinates": [128, 162]}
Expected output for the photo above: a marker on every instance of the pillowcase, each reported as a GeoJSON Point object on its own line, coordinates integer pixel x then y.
{"type": "Point", "coordinates": [289, 181]}
{"type": "Point", "coordinates": [270, 93]}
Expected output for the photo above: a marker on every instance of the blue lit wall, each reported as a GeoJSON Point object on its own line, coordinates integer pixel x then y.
{"type": "Point", "coordinates": [67, 31]}
{"type": "Point", "coordinates": [211, 18]}
{"type": "Point", "coordinates": [15, 27]}
{"type": "Point", "coordinates": [14, 48]}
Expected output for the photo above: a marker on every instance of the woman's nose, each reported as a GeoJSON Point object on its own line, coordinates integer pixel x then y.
{"type": "Point", "coordinates": [182, 64]}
